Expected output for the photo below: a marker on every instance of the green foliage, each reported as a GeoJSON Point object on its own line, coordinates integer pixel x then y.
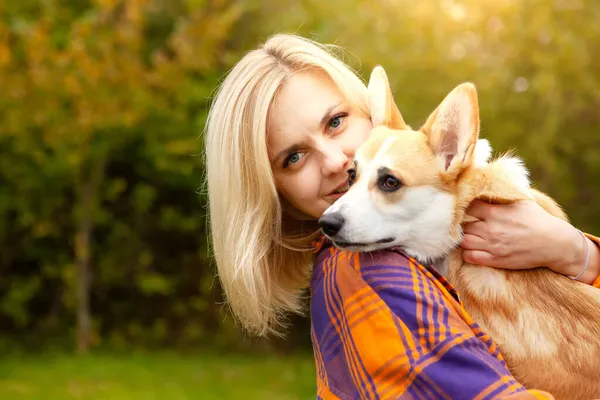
{"type": "Point", "coordinates": [535, 65]}
{"type": "Point", "coordinates": [110, 98]}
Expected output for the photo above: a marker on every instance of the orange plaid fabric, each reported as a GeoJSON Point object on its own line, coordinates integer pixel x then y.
{"type": "Point", "coordinates": [385, 327]}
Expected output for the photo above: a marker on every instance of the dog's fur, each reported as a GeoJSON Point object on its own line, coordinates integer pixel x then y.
{"type": "Point", "coordinates": [546, 325]}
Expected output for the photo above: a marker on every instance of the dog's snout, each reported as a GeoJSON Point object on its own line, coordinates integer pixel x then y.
{"type": "Point", "coordinates": [331, 223]}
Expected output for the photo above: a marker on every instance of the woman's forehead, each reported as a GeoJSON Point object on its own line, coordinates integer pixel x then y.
{"type": "Point", "coordinates": [304, 99]}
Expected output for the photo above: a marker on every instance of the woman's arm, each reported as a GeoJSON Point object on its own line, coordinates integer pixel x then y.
{"type": "Point", "coordinates": [523, 235]}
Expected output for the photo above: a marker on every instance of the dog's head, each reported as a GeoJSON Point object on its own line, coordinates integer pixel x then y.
{"type": "Point", "coordinates": [405, 184]}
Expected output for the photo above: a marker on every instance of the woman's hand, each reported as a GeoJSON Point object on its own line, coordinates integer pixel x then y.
{"type": "Point", "coordinates": [523, 235]}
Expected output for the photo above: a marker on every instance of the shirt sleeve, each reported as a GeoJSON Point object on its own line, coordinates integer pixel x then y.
{"type": "Point", "coordinates": [405, 334]}
{"type": "Point", "coordinates": [596, 240]}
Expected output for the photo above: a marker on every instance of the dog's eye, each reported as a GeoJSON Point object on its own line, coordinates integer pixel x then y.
{"type": "Point", "coordinates": [390, 183]}
{"type": "Point", "coordinates": [351, 176]}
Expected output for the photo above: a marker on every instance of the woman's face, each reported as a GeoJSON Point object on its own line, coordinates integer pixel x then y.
{"type": "Point", "coordinates": [313, 133]}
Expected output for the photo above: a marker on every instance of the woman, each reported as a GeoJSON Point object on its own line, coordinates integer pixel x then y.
{"type": "Point", "coordinates": [281, 132]}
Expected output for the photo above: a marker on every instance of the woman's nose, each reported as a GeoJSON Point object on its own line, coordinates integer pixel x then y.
{"type": "Point", "coordinates": [335, 161]}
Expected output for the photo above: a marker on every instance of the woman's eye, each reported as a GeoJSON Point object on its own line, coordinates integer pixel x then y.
{"type": "Point", "coordinates": [293, 159]}
{"type": "Point", "coordinates": [336, 121]}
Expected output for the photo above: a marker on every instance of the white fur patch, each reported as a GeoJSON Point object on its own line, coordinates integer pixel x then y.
{"type": "Point", "coordinates": [516, 171]}
{"type": "Point", "coordinates": [383, 150]}
{"type": "Point", "coordinates": [419, 222]}
{"type": "Point", "coordinates": [431, 212]}
{"type": "Point", "coordinates": [483, 152]}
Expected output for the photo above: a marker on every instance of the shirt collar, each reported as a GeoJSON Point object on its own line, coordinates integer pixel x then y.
{"type": "Point", "coordinates": [319, 243]}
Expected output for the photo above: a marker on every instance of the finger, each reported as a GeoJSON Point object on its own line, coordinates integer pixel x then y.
{"type": "Point", "coordinates": [478, 228]}
{"type": "Point", "coordinates": [479, 209]}
{"type": "Point", "coordinates": [473, 242]}
{"type": "Point", "coordinates": [479, 257]}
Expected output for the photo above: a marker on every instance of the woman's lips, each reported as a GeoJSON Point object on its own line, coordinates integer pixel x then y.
{"type": "Point", "coordinates": [339, 191]}
{"type": "Point", "coordinates": [336, 196]}
{"type": "Point", "coordinates": [342, 188]}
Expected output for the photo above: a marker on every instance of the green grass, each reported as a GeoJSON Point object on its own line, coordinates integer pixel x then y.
{"type": "Point", "coordinates": [156, 376]}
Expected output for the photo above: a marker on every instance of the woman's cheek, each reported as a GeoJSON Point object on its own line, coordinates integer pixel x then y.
{"type": "Point", "coordinates": [361, 128]}
{"type": "Point", "coordinates": [311, 184]}
{"type": "Point", "coordinates": [367, 128]}
{"type": "Point", "coordinates": [304, 189]}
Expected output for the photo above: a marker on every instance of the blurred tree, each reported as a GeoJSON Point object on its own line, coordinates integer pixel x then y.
{"type": "Point", "coordinates": [102, 217]}
{"type": "Point", "coordinates": [535, 65]}
{"type": "Point", "coordinates": [83, 83]}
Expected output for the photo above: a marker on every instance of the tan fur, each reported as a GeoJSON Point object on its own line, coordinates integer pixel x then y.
{"type": "Point", "coordinates": [545, 324]}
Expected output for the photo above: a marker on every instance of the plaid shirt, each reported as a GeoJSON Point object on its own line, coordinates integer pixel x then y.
{"type": "Point", "coordinates": [384, 326]}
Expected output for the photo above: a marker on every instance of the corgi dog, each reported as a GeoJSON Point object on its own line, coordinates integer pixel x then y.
{"type": "Point", "coordinates": [410, 189]}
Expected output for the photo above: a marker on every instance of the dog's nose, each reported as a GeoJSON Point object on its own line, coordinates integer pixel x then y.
{"type": "Point", "coordinates": [331, 223]}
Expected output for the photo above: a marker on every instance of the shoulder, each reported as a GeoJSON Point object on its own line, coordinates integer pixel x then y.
{"type": "Point", "coordinates": [349, 272]}
{"type": "Point", "coordinates": [386, 270]}
{"type": "Point", "coordinates": [327, 253]}
{"type": "Point", "coordinates": [329, 258]}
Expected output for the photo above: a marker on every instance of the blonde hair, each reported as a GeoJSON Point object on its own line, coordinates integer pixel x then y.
{"type": "Point", "coordinates": [262, 266]}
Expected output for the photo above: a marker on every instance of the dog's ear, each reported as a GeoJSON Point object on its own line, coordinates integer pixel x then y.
{"type": "Point", "coordinates": [453, 129]}
{"type": "Point", "coordinates": [382, 107]}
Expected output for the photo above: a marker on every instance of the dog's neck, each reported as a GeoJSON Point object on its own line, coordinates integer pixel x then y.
{"type": "Point", "coordinates": [504, 180]}
{"type": "Point", "coordinates": [469, 188]}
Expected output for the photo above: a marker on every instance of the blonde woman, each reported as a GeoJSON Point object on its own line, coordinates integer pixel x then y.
{"type": "Point", "coordinates": [281, 132]}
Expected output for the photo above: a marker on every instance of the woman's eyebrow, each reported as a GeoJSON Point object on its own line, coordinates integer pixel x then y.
{"type": "Point", "coordinates": [325, 117]}
{"type": "Point", "coordinates": [287, 150]}
{"type": "Point", "coordinates": [296, 147]}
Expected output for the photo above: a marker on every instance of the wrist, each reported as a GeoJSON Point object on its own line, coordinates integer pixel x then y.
{"type": "Point", "coordinates": [574, 249]}
{"type": "Point", "coordinates": [568, 249]}
{"type": "Point", "coordinates": [593, 270]}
